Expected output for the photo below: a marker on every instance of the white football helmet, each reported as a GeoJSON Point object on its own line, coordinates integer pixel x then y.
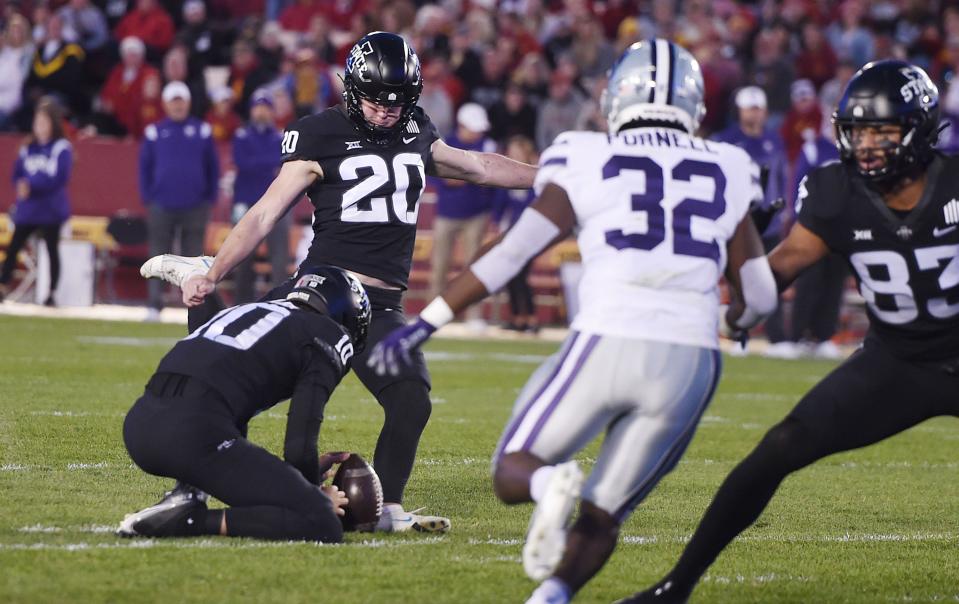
{"type": "Point", "coordinates": [655, 80]}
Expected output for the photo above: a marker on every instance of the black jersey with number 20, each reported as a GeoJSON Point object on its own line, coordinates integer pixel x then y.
{"type": "Point", "coordinates": [366, 204]}
{"type": "Point", "coordinates": [906, 264]}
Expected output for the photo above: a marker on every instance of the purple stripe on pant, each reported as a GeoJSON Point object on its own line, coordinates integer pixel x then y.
{"type": "Point", "coordinates": [593, 340]}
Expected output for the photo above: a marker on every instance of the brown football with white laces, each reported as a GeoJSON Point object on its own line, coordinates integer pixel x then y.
{"type": "Point", "coordinates": [362, 486]}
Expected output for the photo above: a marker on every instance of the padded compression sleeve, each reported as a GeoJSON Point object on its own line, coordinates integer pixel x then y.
{"type": "Point", "coordinates": [528, 237]}
{"type": "Point", "coordinates": [759, 292]}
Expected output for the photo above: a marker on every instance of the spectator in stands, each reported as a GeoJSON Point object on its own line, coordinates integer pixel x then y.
{"type": "Point", "coordinates": [85, 24]}
{"type": "Point", "coordinates": [803, 121]}
{"type": "Point", "coordinates": [57, 69]}
{"type": "Point", "coordinates": [149, 22]}
{"type": "Point", "coordinates": [508, 204]}
{"type": "Point", "coordinates": [270, 51]}
{"type": "Point", "coordinates": [15, 57]}
{"type": "Point", "coordinates": [176, 68]}
{"type": "Point", "coordinates": [465, 61]}
{"type": "Point", "coordinates": [309, 83]}
{"type": "Point", "coordinates": [592, 117]}
{"type": "Point", "coordinates": [721, 76]}
{"type": "Point", "coordinates": [848, 37]}
{"type": "Point", "coordinates": [512, 115]}
{"type": "Point", "coordinates": [435, 100]}
{"type": "Point", "coordinates": [819, 289]}
{"type": "Point", "coordinates": [317, 37]}
{"type": "Point", "coordinates": [462, 210]}
{"type": "Point", "coordinates": [533, 75]}
{"type": "Point", "coordinates": [831, 91]}
{"type": "Point", "coordinates": [752, 134]}
{"type": "Point", "coordinates": [816, 60]}
{"type": "Point", "coordinates": [591, 51]}
{"type": "Point", "coordinates": [198, 37]}
{"type": "Point", "coordinates": [340, 13]}
{"type": "Point", "coordinates": [246, 74]}
{"type": "Point", "coordinates": [297, 15]}
{"type": "Point", "coordinates": [114, 10]}
{"type": "Point", "coordinates": [257, 162]}
{"type": "Point", "coordinates": [130, 100]}
{"type": "Point", "coordinates": [179, 173]}
{"type": "Point", "coordinates": [493, 77]}
{"type": "Point", "coordinates": [560, 110]}
{"type": "Point", "coordinates": [773, 73]}
{"type": "Point", "coordinates": [40, 177]}
{"type": "Point", "coordinates": [221, 116]}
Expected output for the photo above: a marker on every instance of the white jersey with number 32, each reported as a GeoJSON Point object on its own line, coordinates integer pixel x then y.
{"type": "Point", "coordinates": [655, 208]}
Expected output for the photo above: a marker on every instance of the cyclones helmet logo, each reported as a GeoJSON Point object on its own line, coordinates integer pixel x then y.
{"type": "Point", "coordinates": [356, 62]}
{"type": "Point", "coordinates": [917, 86]}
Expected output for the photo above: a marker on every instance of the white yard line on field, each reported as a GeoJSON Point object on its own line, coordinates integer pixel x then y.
{"type": "Point", "coordinates": [126, 341]}
{"type": "Point", "coordinates": [207, 544]}
{"type": "Point", "coordinates": [844, 538]}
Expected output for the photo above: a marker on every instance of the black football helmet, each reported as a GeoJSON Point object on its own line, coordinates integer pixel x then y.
{"type": "Point", "coordinates": [336, 293]}
{"type": "Point", "coordinates": [382, 68]}
{"type": "Point", "coordinates": [883, 93]}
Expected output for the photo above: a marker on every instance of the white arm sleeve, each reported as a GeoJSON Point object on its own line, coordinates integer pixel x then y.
{"type": "Point", "coordinates": [759, 292]}
{"type": "Point", "coordinates": [531, 233]}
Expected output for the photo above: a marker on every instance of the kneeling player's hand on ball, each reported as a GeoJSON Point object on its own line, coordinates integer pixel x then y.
{"type": "Point", "coordinates": [338, 498]}
{"type": "Point", "coordinates": [328, 460]}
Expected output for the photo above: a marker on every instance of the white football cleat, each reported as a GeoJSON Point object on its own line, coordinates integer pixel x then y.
{"type": "Point", "coordinates": [175, 269]}
{"type": "Point", "coordinates": [546, 536]}
{"type": "Point", "coordinates": [394, 520]}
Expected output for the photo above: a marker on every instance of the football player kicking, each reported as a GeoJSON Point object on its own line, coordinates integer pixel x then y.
{"type": "Point", "coordinates": [363, 169]}
{"type": "Point", "coordinates": [659, 214]}
{"type": "Point", "coordinates": [889, 207]}
{"type": "Point", "coordinates": [190, 423]}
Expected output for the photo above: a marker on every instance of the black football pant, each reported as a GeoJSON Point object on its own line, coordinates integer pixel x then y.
{"type": "Point", "coordinates": [181, 429]}
{"type": "Point", "coordinates": [819, 299]}
{"type": "Point", "coordinates": [405, 398]}
{"type": "Point", "coordinates": [51, 236]}
{"type": "Point", "coordinates": [521, 294]}
{"type": "Point", "coordinates": [870, 397]}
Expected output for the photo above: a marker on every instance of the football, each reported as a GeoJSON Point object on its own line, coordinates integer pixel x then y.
{"type": "Point", "coordinates": [359, 481]}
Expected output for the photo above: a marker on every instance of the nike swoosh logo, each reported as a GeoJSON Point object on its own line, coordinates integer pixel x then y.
{"type": "Point", "coordinates": [409, 140]}
{"type": "Point", "coordinates": [937, 232]}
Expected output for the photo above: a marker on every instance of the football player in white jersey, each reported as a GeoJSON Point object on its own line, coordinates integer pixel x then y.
{"type": "Point", "coordinates": [659, 214]}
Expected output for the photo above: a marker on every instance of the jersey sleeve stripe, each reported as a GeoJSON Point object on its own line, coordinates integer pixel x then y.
{"type": "Point", "coordinates": [553, 161]}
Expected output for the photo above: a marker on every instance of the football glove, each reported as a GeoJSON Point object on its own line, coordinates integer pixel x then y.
{"type": "Point", "coordinates": [397, 347]}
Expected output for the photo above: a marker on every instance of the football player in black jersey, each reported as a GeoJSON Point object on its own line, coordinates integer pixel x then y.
{"type": "Point", "coordinates": [190, 423]}
{"type": "Point", "coordinates": [363, 167]}
{"type": "Point", "coordinates": [890, 208]}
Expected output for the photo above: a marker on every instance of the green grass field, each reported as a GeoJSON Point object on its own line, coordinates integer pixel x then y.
{"type": "Point", "coordinates": [877, 525]}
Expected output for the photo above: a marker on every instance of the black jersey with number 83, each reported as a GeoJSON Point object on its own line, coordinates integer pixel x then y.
{"type": "Point", "coordinates": [906, 263]}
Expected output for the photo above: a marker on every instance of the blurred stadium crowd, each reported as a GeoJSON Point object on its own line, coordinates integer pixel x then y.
{"type": "Point", "coordinates": [537, 66]}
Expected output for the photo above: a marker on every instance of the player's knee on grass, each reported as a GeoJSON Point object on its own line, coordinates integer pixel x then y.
{"type": "Point", "coordinates": [284, 524]}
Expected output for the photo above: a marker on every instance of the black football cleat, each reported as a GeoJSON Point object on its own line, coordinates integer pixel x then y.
{"type": "Point", "coordinates": [178, 514]}
{"type": "Point", "coordinates": [664, 592]}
